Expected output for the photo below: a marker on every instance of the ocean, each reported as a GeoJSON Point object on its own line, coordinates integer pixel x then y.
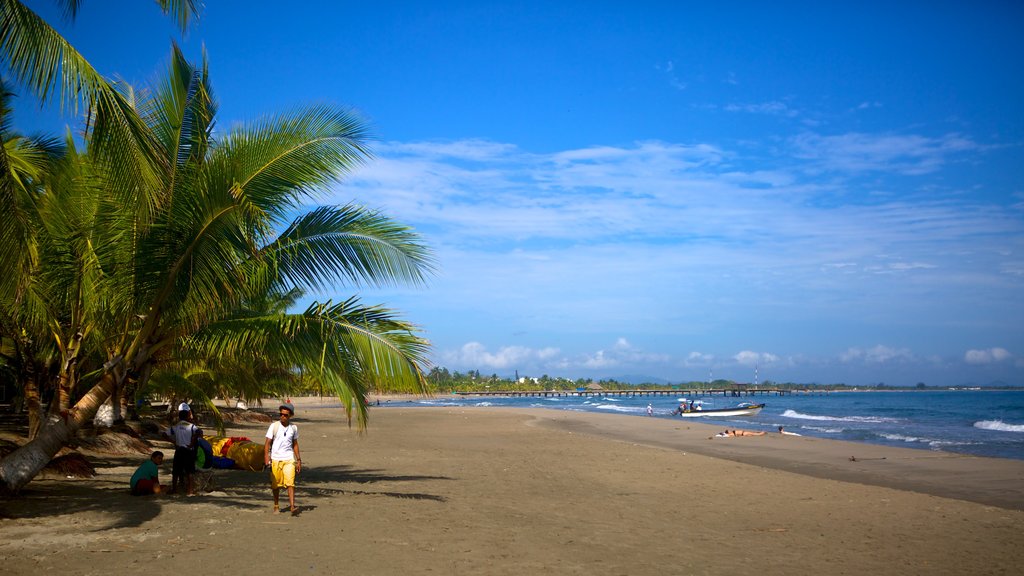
{"type": "Point", "coordinates": [982, 423]}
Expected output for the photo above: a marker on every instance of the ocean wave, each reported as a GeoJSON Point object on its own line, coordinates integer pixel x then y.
{"type": "Point", "coordinates": [869, 419]}
{"type": "Point", "coordinates": [825, 430]}
{"type": "Point", "coordinates": [484, 404]}
{"type": "Point", "coordinates": [615, 408]}
{"type": "Point", "coordinates": [999, 425]}
{"type": "Point", "coordinates": [901, 438]}
{"type": "Point", "coordinates": [936, 444]}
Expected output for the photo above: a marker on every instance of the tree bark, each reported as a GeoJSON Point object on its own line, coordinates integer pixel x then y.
{"type": "Point", "coordinates": [33, 401]}
{"type": "Point", "coordinates": [68, 372]}
{"type": "Point", "coordinates": [22, 465]}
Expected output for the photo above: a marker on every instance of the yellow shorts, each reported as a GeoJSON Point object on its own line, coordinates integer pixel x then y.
{"type": "Point", "coordinates": [282, 474]}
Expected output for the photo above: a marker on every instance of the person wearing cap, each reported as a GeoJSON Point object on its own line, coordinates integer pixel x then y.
{"type": "Point", "coordinates": [184, 434]}
{"type": "Point", "coordinates": [281, 454]}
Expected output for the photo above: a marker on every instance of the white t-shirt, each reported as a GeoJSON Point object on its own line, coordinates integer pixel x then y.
{"type": "Point", "coordinates": [284, 438]}
{"type": "Point", "coordinates": [182, 434]}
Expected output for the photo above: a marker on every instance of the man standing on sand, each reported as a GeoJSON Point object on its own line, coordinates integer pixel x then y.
{"type": "Point", "coordinates": [184, 435]}
{"type": "Point", "coordinates": [281, 454]}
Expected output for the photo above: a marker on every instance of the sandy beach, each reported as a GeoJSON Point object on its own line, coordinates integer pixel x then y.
{"type": "Point", "coordinates": [503, 491]}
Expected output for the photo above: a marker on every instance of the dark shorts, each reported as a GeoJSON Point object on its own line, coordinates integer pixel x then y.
{"type": "Point", "coordinates": [184, 461]}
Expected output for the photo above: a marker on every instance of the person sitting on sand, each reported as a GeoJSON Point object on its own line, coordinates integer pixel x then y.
{"type": "Point", "coordinates": [146, 479]}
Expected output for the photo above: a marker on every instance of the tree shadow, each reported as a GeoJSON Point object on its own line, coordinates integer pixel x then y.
{"type": "Point", "coordinates": [234, 490]}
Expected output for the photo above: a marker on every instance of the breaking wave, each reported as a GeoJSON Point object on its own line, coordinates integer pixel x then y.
{"type": "Point", "coordinates": [870, 419]}
{"type": "Point", "coordinates": [999, 425]}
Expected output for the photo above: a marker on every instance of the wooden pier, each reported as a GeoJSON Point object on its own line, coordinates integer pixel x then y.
{"type": "Point", "coordinates": [727, 392]}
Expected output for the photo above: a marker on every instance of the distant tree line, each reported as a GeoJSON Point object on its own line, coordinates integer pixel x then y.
{"type": "Point", "coordinates": [441, 380]}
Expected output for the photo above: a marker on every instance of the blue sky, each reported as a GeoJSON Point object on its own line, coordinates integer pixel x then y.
{"type": "Point", "coordinates": [828, 193]}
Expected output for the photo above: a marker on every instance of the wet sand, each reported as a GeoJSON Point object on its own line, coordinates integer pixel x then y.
{"type": "Point", "coordinates": [505, 491]}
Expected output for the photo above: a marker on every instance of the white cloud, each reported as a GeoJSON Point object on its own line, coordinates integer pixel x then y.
{"type": "Point", "coordinates": [909, 154]}
{"type": "Point", "coordinates": [749, 358]}
{"type": "Point", "coordinates": [684, 241]}
{"type": "Point", "coordinates": [988, 356]}
{"type": "Point", "coordinates": [699, 359]}
{"type": "Point", "coordinates": [774, 108]}
{"type": "Point", "coordinates": [474, 355]}
{"type": "Point", "coordinates": [622, 353]}
{"type": "Point", "coordinates": [877, 355]}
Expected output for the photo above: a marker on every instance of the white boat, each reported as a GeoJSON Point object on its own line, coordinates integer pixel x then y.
{"type": "Point", "coordinates": [745, 409]}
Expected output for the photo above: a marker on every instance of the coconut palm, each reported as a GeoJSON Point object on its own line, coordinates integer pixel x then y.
{"type": "Point", "coordinates": [173, 280]}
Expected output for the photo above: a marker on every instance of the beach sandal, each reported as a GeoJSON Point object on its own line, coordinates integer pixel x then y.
{"type": "Point", "coordinates": [295, 511]}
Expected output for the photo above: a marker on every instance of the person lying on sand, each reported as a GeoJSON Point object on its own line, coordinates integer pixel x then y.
{"type": "Point", "coordinates": [729, 433]}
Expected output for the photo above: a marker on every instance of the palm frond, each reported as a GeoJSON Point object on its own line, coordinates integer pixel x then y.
{"type": "Point", "coordinates": [273, 163]}
{"type": "Point", "coordinates": [349, 346]}
{"type": "Point", "coordinates": [184, 11]}
{"type": "Point", "coordinates": [348, 244]}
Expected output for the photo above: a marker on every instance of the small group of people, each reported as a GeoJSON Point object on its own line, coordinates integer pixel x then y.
{"type": "Point", "coordinates": [185, 436]}
{"type": "Point", "coordinates": [280, 453]}
{"type": "Point", "coordinates": [690, 406]}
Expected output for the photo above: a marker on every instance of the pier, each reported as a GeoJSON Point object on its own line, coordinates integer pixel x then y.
{"type": "Point", "coordinates": [697, 393]}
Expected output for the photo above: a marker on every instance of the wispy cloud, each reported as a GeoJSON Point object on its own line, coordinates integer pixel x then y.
{"type": "Point", "coordinates": [686, 241]}
{"type": "Point", "coordinates": [773, 108]}
{"type": "Point", "coordinates": [673, 79]}
{"type": "Point", "coordinates": [877, 355]}
{"type": "Point", "coordinates": [908, 154]}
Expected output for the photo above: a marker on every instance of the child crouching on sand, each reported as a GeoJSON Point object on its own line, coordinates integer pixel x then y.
{"type": "Point", "coordinates": [146, 479]}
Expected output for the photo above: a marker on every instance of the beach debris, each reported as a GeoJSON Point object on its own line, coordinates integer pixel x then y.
{"type": "Point", "coordinates": [855, 459]}
{"type": "Point", "coordinates": [72, 465]}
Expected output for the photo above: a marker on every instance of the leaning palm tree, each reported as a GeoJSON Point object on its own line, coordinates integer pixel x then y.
{"type": "Point", "coordinates": [173, 278]}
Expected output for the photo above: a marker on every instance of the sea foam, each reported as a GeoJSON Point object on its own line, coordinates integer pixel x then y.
{"type": "Point", "coordinates": [999, 425]}
{"type": "Point", "coordinates": [870, 419]}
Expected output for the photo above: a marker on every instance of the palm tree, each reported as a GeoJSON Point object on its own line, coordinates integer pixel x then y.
{"type": "Point", "coordinates": [173, 280]}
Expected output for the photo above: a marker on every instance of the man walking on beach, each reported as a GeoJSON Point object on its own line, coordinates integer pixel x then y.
{"type": "Point", "coordinates": [281, 454]}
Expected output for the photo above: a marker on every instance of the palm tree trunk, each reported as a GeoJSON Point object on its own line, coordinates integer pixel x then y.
{"type": "Point", "coordinates": [67, 379]}
{"type": "Point", "coordinates": [33, 402]}
{"type": "Point", "coordinates": [22, 465]}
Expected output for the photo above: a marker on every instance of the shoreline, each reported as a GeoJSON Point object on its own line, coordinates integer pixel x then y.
{"type": "Point", "coordinates": [449, 490]}
{"type": "Point", "coordinates": [984, 480]}
{"type": "Point", "coordinates": [399, 401]}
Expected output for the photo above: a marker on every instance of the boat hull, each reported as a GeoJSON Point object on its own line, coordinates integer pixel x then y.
{"type": "Point", "coordinates": [744, 411]}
